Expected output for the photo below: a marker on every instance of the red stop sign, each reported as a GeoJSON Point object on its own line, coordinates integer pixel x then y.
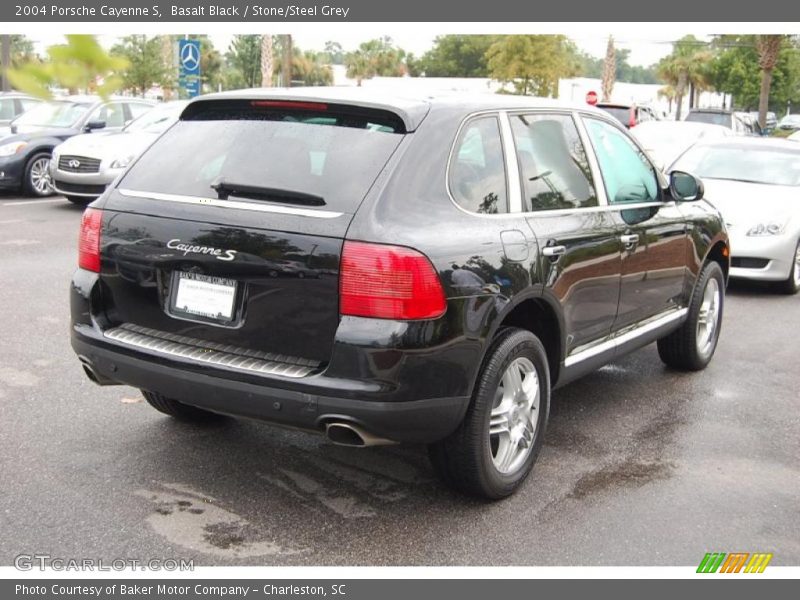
{"type": "Point", "coordinates": [591, 98]}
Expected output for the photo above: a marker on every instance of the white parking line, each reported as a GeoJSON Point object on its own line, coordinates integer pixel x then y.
{"type": "Point", "coordinates": [21, 202]}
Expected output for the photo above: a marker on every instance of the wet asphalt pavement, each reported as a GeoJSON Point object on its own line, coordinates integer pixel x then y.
{"type": "Point", "coordinates": [641, 465]}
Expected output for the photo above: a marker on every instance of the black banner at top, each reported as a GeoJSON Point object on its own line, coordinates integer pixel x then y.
{"type": "Point", "coordinates": [452, 11]}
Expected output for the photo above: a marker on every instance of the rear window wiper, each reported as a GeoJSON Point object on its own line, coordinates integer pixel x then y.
{"type": "Point", "coordinates": [226, 189]}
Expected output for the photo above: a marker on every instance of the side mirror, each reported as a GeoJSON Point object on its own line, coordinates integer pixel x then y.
{"type": "Point", "coordinates": [92, 125]}
{"type": "Point", "coordinates": [685, 187]}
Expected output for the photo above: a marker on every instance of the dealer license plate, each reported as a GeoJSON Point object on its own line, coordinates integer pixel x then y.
{"type": "Point", "coordinates": [204, 296]}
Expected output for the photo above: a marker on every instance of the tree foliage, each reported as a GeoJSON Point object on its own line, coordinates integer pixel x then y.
{"type": "Point", "coordinates": [80, 64]}
{"type": "Point", "coordinates": [146, 63]}
{"type": "Point", "coordinates": [378, 57]}
{"type": "Point", "coordinates": [457, 56]}
{"type": "Point", "coordinates": [244, 62]}
{"type": "Point", "coordinates": [736, 71]}
{"type": "Point", "coordinates": [687, 69]}
{"type": "Point", "coordinates": [533, 64]}
{"type": "Point", "coordinates": [625, 72]}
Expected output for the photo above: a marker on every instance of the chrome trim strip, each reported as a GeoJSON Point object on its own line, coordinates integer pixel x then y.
{"type": "Point", "coordinates": [267, 208]}
{"type": "Point", "coordinates": [620, 339]}
{"type": "Point", "coordinates": [210, 353]}
{"type": "Point", "coordinates": [512, 166]}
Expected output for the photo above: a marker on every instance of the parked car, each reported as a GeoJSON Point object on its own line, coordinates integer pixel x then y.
{"type": "Point", "coordinates": [470, 254]}
{"type": "Point", "coordinates": [25, 155]}
{"type": "Point", "coordinates": [739, 123]}
{"type": "Point", "coordinates": [629, 115]}
{"type": "Point", "coordinates": [789, 123]}
{"type": "Point", "coordinates": [667, 140]}
{"type": "Point", "coordinates": [756, 185]}
{"type": "Point", "coordinates": [771, 122]}
{"type": "Point", "coordinates": [12, 105]}
{"type": "Point", "coordinates": [84, 165]}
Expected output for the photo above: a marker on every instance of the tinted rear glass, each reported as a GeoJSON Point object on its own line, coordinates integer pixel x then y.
{"type": "Point", "coordinates": [322, 153]}
{"type": "Point", "coordinates": [710, 117]}
{"type": "Point", "coordinates": [621, 113]}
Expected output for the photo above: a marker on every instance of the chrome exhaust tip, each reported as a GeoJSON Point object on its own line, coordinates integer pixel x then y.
{"type": "Point", "coordinates": [354, 436]}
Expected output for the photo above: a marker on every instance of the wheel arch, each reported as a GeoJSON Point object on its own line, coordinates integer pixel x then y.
{"type": "Point", "coordinates": [534, 313]}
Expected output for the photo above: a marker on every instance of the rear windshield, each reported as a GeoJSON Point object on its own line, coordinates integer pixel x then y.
{"type": "Point", "coordinates": [621, 113]}
{"type": "Point", "coordinates": [319, 156]}
{"type": "Point", "coordinates": [714, 118]}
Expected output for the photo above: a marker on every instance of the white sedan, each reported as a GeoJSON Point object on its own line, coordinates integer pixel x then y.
{"type": "Point", "coordinates": [665, 141]}
{"type": "Point", "coordinates": [755, 183]}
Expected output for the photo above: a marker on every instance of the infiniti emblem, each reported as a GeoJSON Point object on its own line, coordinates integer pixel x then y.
{"type": "Point", "coordinates": [74, 163]}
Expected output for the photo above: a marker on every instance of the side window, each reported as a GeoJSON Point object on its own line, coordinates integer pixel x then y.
{"type": "Point", "coordinates": [113, 114]}
{"type": "Point", "coordinates": [553, 165]}
{"type": "Point", "coordinates": [478, 173]}
{"type": "Point", "coordinates": [138, 109]}
{"type": "Point", "coordinates": [7, 111]}
{"type": "Point", "coordinates": [628, 175]}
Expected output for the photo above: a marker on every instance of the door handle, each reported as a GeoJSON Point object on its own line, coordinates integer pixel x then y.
{"type": "Point", "coordinates": [629, 240]}
{"type": "Point", "coordinates": [554, 251]}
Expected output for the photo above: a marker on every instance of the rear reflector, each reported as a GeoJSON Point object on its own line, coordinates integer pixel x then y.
{"type": "Point", "coordinates": [290, 104]}
{"type": "Point", "coordinates": [388, 282]}
{"type": "Point", "coordinates": [89, 241]}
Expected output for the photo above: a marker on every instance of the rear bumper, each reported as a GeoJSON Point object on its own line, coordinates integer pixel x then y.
{"type": "Point", "coordinates": [414, 421]}
{"type": "Point", "coordinates": [404, 395]}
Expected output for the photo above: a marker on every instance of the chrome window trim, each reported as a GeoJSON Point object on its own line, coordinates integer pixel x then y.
{"type": "Point", "coordinates": [252, 206]}
{"type": "Point", "coordinates": [626, 336]}
{"type": "Point", "coordinates": [513, 181]}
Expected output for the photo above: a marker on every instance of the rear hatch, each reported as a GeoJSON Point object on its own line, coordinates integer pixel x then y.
{"type": "Point", "coordinates": [227, 233]}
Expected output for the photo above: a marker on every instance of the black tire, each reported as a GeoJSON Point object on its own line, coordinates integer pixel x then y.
{"type": "Point", "coordinates": [79, 200]}
{"type": "Point", "coordinates": [465, 459]}
{"type": "Point", "coordinates": [29, 185]}
{"type": "Point", "coordinates": [791, 285]}
{"type": "Point", "coordinates": [179, 410]}
{"type": "Point", "coordinates": [684, 348]}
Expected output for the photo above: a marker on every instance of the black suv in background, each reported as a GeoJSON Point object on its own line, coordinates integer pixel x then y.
{"type": "Point", "coordinates": [392, 270]}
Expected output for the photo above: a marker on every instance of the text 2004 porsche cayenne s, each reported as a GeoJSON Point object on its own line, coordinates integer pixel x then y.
{"type": "Point", "coordinates": [393, 270]}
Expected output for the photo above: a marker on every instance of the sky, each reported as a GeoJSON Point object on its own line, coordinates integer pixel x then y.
{"type": "Point", "coordinates": [646, 47]}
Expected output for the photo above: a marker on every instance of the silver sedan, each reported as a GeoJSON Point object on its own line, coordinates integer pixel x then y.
{"type": "Point", "coordinates": [755, 183]}
{"type": "Point", "coordinates": [83, 166]}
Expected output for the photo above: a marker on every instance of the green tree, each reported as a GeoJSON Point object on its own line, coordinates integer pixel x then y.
{"type": "Point", "coordinates": [308, 67]}
{"type": "Point", "coordinates": [457, 56]}
{"type": "Point", "coordinates": [244, 61]}
{"type": "Point", "coordinates": [80, 64]}
{"type": "Point", "coordinates": [146, 65]}
{"type": "Point", "coordinates": [376, 57]}
{"type": "Point", "coordinates": [736, 71]}
{"type": "Point", "coordinates": [687, 69]}
{"type": "Point", "coordinates": [532, 63]}
{"type": "Point", "coordinates": [21, 50]}
{"type": "Point", "coordinates": [334, 52]}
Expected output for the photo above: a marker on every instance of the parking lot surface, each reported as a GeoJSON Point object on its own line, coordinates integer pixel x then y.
{"type": "Point", "coordinates": [641, 465]}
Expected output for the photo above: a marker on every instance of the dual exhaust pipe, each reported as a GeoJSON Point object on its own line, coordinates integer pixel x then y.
{"type": "Point", "coordinates": [343, 433]}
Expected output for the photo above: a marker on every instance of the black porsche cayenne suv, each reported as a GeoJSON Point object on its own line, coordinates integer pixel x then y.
{"type": "Point", "coordinates": [390, 270]}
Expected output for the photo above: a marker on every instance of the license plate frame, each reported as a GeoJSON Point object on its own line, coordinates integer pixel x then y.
{"type": "Point", "coordinates": [196, 297]}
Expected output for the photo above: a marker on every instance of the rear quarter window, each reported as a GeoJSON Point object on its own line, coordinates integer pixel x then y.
{"type": "Point", "coordinates": [477, 176]}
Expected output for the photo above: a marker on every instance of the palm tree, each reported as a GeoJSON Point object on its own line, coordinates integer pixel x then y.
{"type": "Point", "coordinates": [609, 70]}
{"type": "Point", "coordinates": [266, 60]}
{"type": "Point", "coordinates": [768, 47]}
{"type": "Point", "coordinates": [359, 66]}
{"type": "Point", "coordinates": [686, 69]}
{"type": "Point", "coordinates": [667, 92]}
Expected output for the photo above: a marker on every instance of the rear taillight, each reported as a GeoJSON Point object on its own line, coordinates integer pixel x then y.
{"type": "Point", "coordinates": [89, 241]}
{"type": "Point", "coordinates": [388, 282]}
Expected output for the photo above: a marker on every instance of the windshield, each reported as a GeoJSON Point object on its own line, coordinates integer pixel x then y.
{"type": "Point", "coordinates": [157, 119]}
{"type": "Point", "coordinates": [714, 118]}
{"type": "Point", "coordinates": [54, 114]}
{"type": "Point", "coordinates": [323, 159]}
{"type": "Point", "coordinates": [767, 165]}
